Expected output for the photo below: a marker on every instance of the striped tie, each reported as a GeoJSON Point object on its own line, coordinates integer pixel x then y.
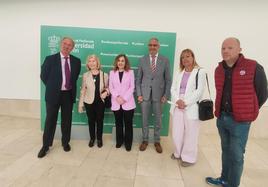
{"type": "Point", "coordinates": [153, 64]}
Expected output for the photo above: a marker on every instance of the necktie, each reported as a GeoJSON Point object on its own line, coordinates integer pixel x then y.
{"type": "Point", "coordinates": [153, 65]}
{"type": "Point", "coordinates": [67, 74]}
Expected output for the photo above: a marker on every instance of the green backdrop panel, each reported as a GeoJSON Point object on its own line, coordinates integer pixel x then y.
{"type": "Point", "coordinates": [106, 44]}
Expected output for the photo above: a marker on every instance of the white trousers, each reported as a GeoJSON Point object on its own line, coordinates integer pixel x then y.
{"type": "Point", "coordinates": [185, 136]}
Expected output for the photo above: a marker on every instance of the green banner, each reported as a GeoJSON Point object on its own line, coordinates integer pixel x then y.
{"type": "Point", "coordinates": [106, 44]}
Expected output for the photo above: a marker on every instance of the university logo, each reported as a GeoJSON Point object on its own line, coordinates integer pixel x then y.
{"type": "Point", "coordinates": [53, 43]}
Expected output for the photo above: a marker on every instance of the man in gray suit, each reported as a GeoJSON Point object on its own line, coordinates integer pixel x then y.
{"type": "Point", "coordinates": [153, 89]}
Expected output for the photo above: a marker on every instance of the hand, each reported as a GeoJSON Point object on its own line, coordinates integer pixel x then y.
{"type": "Point", "coordinates": [163, 99]}
{"type": "Point", "coordinates": [104, 95]}
{"type": "Point", "coordinates": [140, 99]}
{"type": "Point", "coordinates": [107, 90]}
{"type": "Point", "coordinates": [181, 104]}
{"type": "Point", "coordinates": [80, 109]}
{"type": "Point", "coordinates": [120, 100]}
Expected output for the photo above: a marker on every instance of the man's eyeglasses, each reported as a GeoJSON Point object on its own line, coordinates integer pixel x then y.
{"type": "Point", "coordinates": [152, 45]}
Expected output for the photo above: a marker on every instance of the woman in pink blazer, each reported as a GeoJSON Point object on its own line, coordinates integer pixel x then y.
{"type": "Point", "coordinates": [121, 86]}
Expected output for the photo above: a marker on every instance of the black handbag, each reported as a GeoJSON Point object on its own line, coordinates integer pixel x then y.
{"type": "Point", "coordinates": [205, 107]}
{"type": "Point", "coordinates": [107, 100]}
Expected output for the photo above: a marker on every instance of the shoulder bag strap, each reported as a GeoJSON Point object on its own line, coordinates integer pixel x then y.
{"type": "Point", "coordinates": [196, 82]}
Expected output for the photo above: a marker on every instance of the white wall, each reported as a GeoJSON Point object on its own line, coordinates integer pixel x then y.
{"type": "Point", "coordinates": [200, 25]}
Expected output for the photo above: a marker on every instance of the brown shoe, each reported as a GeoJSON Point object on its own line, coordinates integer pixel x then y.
{"type": "Point", "coordinates": [143, 145]}
{"type": "Point", "coordinates": [158, 147]}
{"type": "Point", "coordinates": [186, 164]}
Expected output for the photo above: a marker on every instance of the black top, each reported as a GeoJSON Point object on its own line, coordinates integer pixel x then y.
{"type": "Point", "coordinates": [96, 79]}
{"type": "Point", "coordinates": [226, 102]}
{"type": "Point", "coordinates": [260, 83]}
{"type": "Point", "coordinates": [121, 75]}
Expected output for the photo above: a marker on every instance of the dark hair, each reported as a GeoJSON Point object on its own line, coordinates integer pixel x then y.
{"type": "Point", "coordinates": [127, 64]}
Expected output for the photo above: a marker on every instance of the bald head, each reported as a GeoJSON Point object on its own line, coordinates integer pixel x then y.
{"type": "Point", "coordinates": [232, 39]}
{"type": "Point", "coordinates": [230, 50]}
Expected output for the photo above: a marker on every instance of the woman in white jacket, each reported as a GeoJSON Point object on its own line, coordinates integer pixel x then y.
{"type": "Point", "coordinates": [185, 113]}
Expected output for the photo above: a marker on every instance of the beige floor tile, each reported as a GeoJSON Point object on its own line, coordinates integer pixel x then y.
{"type": "Point", "coordinates": [255, 157]}
{"type": "Point", "coordinates": [208, 139]}
{"type": "Point", "coordinates": [120, 165]}
{"type": "Point", "coordinates": [255, 177]}
{"type": "Point", "coordinates": [5, 131]}
{"type": "Point", "coordinates": [262, 142]}
{"type": "Point", "coordinates": [57, 175]}
{"type": "Point", "coordinates": [19, 167]}
{"type": "Point", "coordinates": [6, 160]}
{"type": "Point", "coordinates": [151, 163]}
{"type": "Point", "coordinates": [88, 172]}
{"type": "Point", "coordinates": [34, 173]}
{"type": "Point", "coordinates": [4, 182]}
{"type": "Point", "coordinates": [22, 145]}
{"type": "Point", "coordinates": [90, 168]}
{"type": "Point", "coordinates": [113, 182]}
{"type": "Point", "coordinates": [195, 175]}
{"type": "Point", "coordinates": [143, 181]}
{"type": "Point", "coordinates": [101, 153]}
{"type": "Point", "coordinates": [81, 182]}
{"type": "Point", "coordinates": [21, 123]}
{"type": "Point", "coordinates": [21, 138]}
{"type": "Point", "coordinates": [213, 157]}
{"type": "Point", "coordinates": [79, 151]}
{"type": "Point", "coordinates": [167, 145]}
{"type": "Point", "coordinates": [12, 136]}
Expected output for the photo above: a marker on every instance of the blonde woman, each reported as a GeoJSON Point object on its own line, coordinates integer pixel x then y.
{"type": "Point", "coordinates": [185, 114]}
{"type": "Point", "coordinates": [93, 92]}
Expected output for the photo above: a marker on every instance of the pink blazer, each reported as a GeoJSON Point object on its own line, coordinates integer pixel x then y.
{"type": "Point", "coordinates": [125, 89]}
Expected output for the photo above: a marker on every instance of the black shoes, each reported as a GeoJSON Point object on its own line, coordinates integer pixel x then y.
{"type": "Point", "coordinates": [42, 152]}
{"type": "Point", "coordinates": [128, 148]}
{"type": "Point", "coordinates": [91, 143]}
{"type": "Point", "coordinates": [118, 145]}
{"type": "Point", "coordinates": [99, 143]}
{"type": "Point", "coordinates": [66, 148]}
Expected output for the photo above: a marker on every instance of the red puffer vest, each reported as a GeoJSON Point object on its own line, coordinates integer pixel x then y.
{"type": "Point", "coordinates": [244, 99]}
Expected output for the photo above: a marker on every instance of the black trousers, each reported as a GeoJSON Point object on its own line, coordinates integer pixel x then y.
{"type": "Point", "coordinates": [95, 115]}
{"type": "Point", "coordinates": [66, 106]}
{"type": "Point", "coordinates": [124, 117]}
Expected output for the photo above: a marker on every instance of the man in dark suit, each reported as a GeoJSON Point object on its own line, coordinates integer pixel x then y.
{"type": "Point", "coordinates": [59, 73]}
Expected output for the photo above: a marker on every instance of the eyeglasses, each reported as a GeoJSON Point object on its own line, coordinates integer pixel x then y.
{"type": "Point", "coordinates": [152, 45]}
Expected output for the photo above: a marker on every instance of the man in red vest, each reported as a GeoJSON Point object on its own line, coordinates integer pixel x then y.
{"type": "Point", "coordinates": [241, 89]}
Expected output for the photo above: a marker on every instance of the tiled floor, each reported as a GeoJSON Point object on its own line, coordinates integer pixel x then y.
{"type": "Point", "coordinates": [20, 141]}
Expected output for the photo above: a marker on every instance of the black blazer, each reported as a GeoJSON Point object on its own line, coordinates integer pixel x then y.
{"type": "Point", "coordinates": [51, 75]}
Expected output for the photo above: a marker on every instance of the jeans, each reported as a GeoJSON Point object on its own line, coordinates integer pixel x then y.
{"type": "Point", "coordinates": [234, 136]}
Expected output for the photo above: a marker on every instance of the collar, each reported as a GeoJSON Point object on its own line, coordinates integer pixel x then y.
{"type": "Point", "coordinates": [62, 56]}
{"type": "Point", "coordinates": [156, 55]}
{"type": "Point", "coordinates": [225, 66]}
